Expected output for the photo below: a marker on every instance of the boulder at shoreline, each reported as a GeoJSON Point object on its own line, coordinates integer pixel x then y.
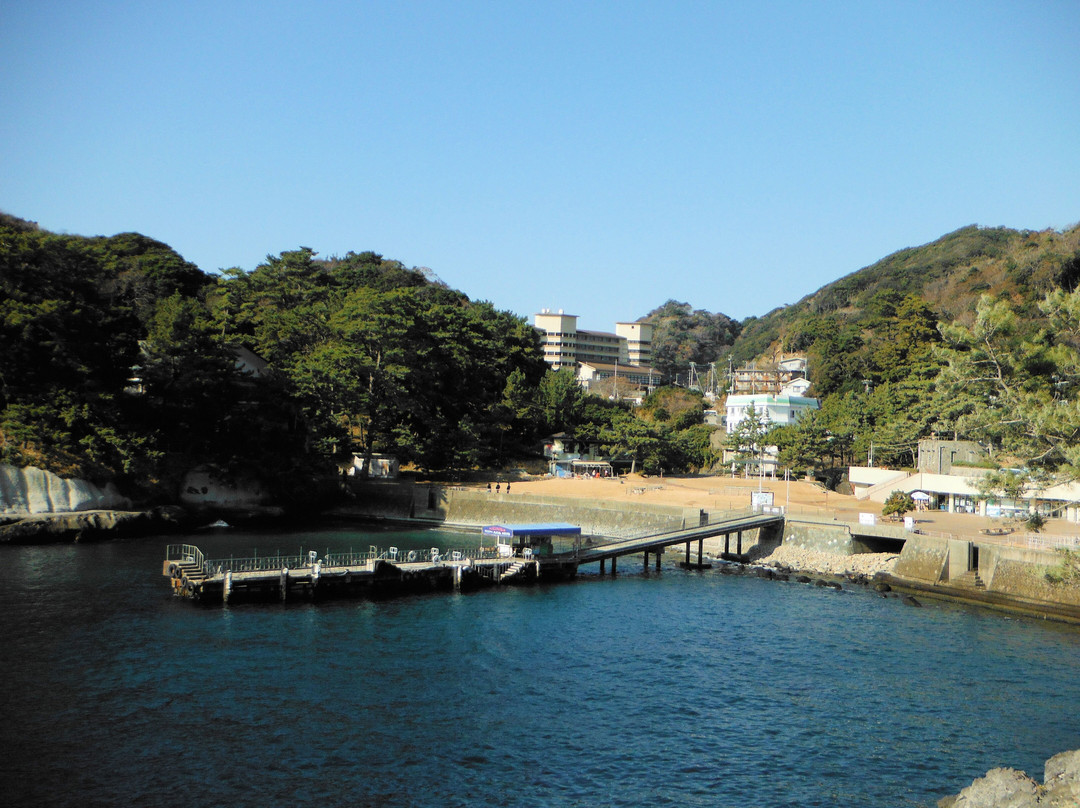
{"type": "Point", "coordinates": [1010, 788]}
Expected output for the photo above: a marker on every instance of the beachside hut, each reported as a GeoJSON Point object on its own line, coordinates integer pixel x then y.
{"type": "Point", "coordinates": [537, 538]}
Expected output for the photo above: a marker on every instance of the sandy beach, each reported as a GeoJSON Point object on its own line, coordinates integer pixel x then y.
{"type": "Point", "coordinates": [733, 493]}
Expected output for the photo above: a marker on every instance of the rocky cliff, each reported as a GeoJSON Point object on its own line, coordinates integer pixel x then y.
{"type": "Point", "coordinates": [31, 490]}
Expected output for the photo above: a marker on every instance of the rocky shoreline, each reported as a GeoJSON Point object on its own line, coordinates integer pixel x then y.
{"type": "Point", "coordinates": [1010, 788]}
{"type": "Point", "coordinates": [91, 525]}
{"type": "Point", "coordinates": [819, 562]}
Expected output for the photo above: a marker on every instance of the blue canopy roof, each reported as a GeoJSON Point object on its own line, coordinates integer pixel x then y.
{"type": "Point", "coordinates": [540, 529]}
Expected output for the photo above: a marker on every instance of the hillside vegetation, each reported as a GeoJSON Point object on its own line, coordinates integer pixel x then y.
{"type": "Point", "coordinates": [948, 275]}
{"type": "Point", "coordinates": [119, 360]}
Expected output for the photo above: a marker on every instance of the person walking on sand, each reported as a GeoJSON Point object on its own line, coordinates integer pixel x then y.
{"type": "Point", "coordinates": [497, 488]}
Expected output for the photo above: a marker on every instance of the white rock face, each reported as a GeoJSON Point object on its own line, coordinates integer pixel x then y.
{"type": "Point", "coordinates": [30, 490]}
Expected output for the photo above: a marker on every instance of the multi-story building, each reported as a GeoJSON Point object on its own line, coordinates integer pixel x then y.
{"type": "Point", "coordinates": [560, 337]}
{"type": "Point", "coordinates": [565, 345]}
{"type": "Point", "coordinates": [638, 337]}
{"type": "Point", "coordinates": [752, 380]}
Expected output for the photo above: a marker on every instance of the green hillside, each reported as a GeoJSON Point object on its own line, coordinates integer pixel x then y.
{"type": "Point", "coordinates": [949, 275]}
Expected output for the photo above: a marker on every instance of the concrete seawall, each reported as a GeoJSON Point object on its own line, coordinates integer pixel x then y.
{"type": "Point", "coordinates": [988, 574]}
{"type": "Point", "coordinates": [819, 535]}
{"type": "Point", "coordinates": [470, 507]}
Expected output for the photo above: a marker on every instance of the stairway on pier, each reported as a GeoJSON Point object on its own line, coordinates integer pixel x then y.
{"type": "Point", "coordinates": [512, 570]}
{"type": "Point", "coordinates": [969, 579]}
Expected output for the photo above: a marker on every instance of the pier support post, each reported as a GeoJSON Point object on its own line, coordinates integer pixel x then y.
{"type": "Point", "coordinates": [613, 560]}
{"type": "Point", "coordinates": [727, 546]}
{"type": "Point", "coordinates": [739, 550]}
{"type": "Point", "coordinates": [688, 555]}
{"type": "Point", "coordinates": [659, 553]}
{"type": "Point", "coordinates": [700, 551]}
{"type": "Point", "coordinates": [601, 566]}
{"type": "Point", "coordinates": [646, 561]}
{"type": "Point", "coordinates": [283, 582]}
{"type": "Point", "coordinates": [226, 588]}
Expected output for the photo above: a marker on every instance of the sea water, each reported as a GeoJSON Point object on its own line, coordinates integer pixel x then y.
{"type": "Point", "coordinates": [651, 688]}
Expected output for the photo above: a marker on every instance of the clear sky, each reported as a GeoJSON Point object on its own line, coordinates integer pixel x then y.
{"type": "Point", "coordinates": [599, 157]}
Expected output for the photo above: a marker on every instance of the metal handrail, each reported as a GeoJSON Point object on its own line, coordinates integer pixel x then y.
{"type": "Point", "coordinates": [185, 553]}
{"type": "Point", "coordinates": [190, 554]}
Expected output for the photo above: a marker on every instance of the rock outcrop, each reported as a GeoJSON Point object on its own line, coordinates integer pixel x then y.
{"type": "Point", "coordinates": [31, 491]}
{"type": "Point", "coordinates": [88, 525]}
{"type": "Point", "coordinates": [1009, 788]}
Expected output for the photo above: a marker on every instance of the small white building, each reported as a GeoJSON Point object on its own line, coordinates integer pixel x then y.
{"type": "Point", "coordinates": [781, 409]}
{"type": "Point", "coordinates": [383, 466]}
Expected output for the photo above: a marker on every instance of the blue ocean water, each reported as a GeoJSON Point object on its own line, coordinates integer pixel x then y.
{"type": "Point", "coordinates": [670, 688]}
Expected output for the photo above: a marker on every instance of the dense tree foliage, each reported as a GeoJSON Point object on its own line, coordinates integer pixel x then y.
{"type": "Point", "coordinates": [72, 314]}
{"type": "Point", "coordinates": [380, 359]}
{"type": "Point", "coordinates": [119, 360]}
{"type": "Point", "coordinates": [682, 335]}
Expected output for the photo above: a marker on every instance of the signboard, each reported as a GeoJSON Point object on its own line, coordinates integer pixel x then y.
{"type": "Point", "coordinates": [909, 523]}
{"type": "Point", "coordinates": [867, 519]}
{"type": "Point", "coordinates": [761, 499]}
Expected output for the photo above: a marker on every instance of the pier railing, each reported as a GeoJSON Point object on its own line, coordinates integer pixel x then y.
{"type": "Point", "coordinates": [185, 554]}
{"type": "Point", "coordinates": [216, 566]}
{"type": "Point", "coordinates": [303, 560]}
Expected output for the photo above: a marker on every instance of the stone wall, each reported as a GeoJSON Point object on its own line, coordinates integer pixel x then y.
{"type": "Point", "coordinates": [31, 490]}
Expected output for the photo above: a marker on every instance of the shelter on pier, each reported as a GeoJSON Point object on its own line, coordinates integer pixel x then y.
{"type": "Point", "coordinates": [514, 539]}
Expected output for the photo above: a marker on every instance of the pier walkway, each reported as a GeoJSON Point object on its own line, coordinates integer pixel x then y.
{"type": "Point", "coordinates": [309, 576]}
{"type": "Point", "coordinates": [380, 572]}
{"type": "Point", "coordinates": [727, 526]}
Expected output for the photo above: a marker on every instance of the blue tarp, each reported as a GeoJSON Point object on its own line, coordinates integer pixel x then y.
{"type": "Point", "coordinates": [541, 529]}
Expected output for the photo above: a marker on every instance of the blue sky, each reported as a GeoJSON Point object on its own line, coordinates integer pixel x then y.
{"type": "Point", "coordinates": [600, 157]}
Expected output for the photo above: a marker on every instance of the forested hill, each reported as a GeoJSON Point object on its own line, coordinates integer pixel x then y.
{"type": "Point", "coordinates": [119, 361]}
{"type": "Point", "coordinates": [948, 275]}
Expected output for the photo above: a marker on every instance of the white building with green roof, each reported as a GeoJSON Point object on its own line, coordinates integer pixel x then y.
{"type": "Point", "coordinates": [780, 409]}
